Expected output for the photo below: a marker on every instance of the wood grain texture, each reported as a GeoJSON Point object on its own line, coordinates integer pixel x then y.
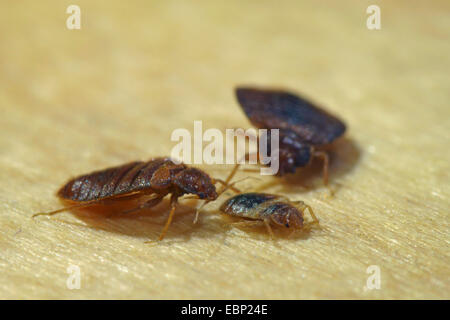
{"type": "Point", "coordinates": [77, 101]}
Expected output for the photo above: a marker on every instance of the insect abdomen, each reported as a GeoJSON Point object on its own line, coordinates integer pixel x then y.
{"type": "Point", "coordinates": [246, 205]}
{"type": "Point", "coordinates": [274, 208]}
{"type": "Point", "coordinates": [110, 182]}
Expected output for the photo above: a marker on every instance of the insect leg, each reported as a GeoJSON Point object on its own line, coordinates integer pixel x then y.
{"type": "Point", "coordinates": [311, 212]}
{"type": "Point", "coordinates": [269, 228]}
{"type": "Point", "coordinates": [76, 206]}
{"type": "Point", "coordinates": [148, 204]}
{"type": "Point", "coordinates": [324, 156]}
{"type": "Point", "coordinates": [88, 204]}
{"type": "Point", "coordinates": [226, 183]}
{"type": "Point", "coordinates": [255, 223]}
{"type": "Point", "coordinates": [173, 205]}
{"type": "Point", "coordinates": [302, 207]}
{"type": "Point", "coordinates": [236, 167]}
{"type": "Point", "coordinates": [232, 173]}
{"type": "Point", "coordinates": [226, 186]}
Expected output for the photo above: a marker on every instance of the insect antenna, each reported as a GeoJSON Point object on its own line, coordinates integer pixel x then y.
{"type": "Point", "coordinates": [50, 213]}
{"type": "Point", "coordinates": [242, 169]}
{"type": "Point", "coordinates": [225, 186]}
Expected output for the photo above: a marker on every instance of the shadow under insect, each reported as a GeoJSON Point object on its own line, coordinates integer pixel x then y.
{"type": "Point", "coordinates": [146, 223]}
{"type": "Point", "coordinates": [259, 232]}
{"type": "Point", "coordinates": [344, 155]}
{"type": "Point", "coordinates": [143, 223]}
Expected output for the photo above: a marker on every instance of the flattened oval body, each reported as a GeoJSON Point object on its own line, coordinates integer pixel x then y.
{"type": "Point", "coordinates": [115, 181]}
{"type": "Point", "coordinates": [265, 207]}
{"type": "Point", "coordinates": [276, 109]}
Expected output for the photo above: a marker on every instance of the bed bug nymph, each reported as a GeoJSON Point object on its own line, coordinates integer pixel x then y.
{"type": "Point", "coordinates": [270, 209]}
{"type": "Point", "coordinates": [305, 130]}
{"type": "Point", "coordinates": [157, 178]}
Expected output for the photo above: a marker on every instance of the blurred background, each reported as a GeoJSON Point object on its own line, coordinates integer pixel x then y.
{"type": "Point", "coordinates": [77, 100]}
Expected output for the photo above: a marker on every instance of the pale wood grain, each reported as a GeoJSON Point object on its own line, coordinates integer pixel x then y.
{"type": "Point", "coordinates": [77, 101]}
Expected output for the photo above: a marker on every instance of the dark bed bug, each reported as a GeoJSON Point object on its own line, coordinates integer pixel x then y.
{"type": "Point", "coordinates": [305, 130]}
{"type": "Point", "coordinates": [270, 209]}
{"type": "Point", "coordinates": [157, 178]}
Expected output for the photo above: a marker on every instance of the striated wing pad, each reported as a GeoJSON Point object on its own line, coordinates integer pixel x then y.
{"type": "Point", "coordinates": [242, 204]}
{"type": "Point", "coordinates": [110, 182]}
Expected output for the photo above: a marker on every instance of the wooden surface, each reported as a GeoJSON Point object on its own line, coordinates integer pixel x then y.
{"type": "Point", "coordinates": [74, 101]}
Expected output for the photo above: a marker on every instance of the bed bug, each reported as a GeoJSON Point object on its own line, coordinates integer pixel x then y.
{"type": "Point", "coordinates": [305, 130]}
{"type": "Point", "coordinates": [157, 178]}
{"type": "Point", "coordinates": [270, 209]}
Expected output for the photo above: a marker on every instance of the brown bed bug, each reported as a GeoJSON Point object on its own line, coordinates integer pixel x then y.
{"type": "Point", "coordinates": [157, 178]}
{"type": "Point", "coordinates": [270, 209]}
{"type": "Point", "coordinates": [305, 130]}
